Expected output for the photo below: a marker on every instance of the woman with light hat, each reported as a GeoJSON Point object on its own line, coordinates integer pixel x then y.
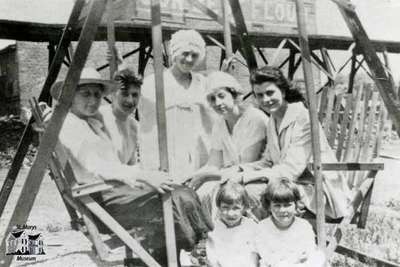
{"type": "Point", "coordinates": [238, 134]}
{"type": "Point", "coordinates": [189, 120]}
{"type": "Point", "coordinates": [133, 201]}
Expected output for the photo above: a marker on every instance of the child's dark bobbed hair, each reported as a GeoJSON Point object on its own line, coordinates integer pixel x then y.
{"type": "Point", "coordinates": [231, 193]}
{"type": "Point", "coordinates": [280, 190]}
{"type": "Point", "coordinates": [275, 75]}
{"type": "Point", "coordinates": [127, 77]}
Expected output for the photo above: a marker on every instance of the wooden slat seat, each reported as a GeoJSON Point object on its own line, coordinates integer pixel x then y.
{"type": "Point", "coordinates": [81, 206]}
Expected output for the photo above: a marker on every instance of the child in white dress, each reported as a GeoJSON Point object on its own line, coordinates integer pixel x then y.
{"type": "Point", "coordinates": [284, 239]}
{"type": "Point", "coordinates": [230, 244]}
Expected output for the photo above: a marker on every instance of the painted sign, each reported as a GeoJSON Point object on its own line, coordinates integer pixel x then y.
{"type": "Point", "coordinates": [260, 15]}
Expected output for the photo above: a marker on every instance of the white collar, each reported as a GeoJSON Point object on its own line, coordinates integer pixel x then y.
{"type": "Point", "coordinates": [292, 112]}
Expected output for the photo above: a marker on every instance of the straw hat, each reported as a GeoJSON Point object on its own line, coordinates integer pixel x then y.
{"type": "Point", "coordinates": [218, 79]}
{"type": "Point", "coordinates": [88, 76]}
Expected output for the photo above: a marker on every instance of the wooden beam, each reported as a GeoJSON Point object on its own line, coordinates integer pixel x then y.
{"type": "Point", "coordinates": [162, 129]}
{"type": "Point", "coordinates": [364, 257]}
{"type": "Point", "coordinates": [138, 31]}
{"type": "Point", "coordinates": [353, 72]}
{"type": "Point", "coordinates": [115, 227]}
{"type": "Point", "coordinates": [227, 29]}
{"type": "Point", "coordinates": [50, 137]}
{"type": "Point", "coordinates": [313, 61]}
{"type": "Point", "coordinates": [102, 67]}
{"type": "Point", "coordinates": [28, 133]}
{"type": "Point", "coordinates": [355, 203]}
{"type": "Point", "coordinates": [351, 166]}
{"type": "Point", "coordinates": [315, 135]}
{"type": "Point", "coordinates": [111, 37]}
{"type": "Point", "coordinates": [241, 32]}
{"type": "Point", "coordinates": [389, 71]}
{"type": "Point", "coordinates": [260, 52]}
{"type": "Point", "coordinates": [292, 64]}
{"type": "Point", "coordinates": [375, 65]}
{"type": "Point", "coordinates": [217, 43]}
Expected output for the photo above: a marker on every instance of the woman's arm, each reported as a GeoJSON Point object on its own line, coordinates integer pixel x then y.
{"type": "Point", "coordinates": [294, 162]}
{"type": "Point", "coordinates": [209, 172]}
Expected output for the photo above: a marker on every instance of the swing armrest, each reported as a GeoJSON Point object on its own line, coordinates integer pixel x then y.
{"type": "Point", "coordinates": [86, 189]}
{"type": "Point", "coordinates": [349, 166]}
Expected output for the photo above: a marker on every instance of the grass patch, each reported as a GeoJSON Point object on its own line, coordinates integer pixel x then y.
{"type": "Point", "coordinates": [380, 238]}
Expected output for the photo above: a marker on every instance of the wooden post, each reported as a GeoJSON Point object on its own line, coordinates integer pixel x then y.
{"type": "Point", "coordinates": [27, 135]}
{"type": "Point", "coordinates": [344, 125]}
{"type": "Point", "coordinates": [353, 72]}
{"type": "Point", "coordinates": [227, 29]}
{"type": "Point", "coordinates": [241, 31]}
{"type": "Point", "coordinates": [111, 38]}
{"type": "Point", "coordinates": [50, 137]}
{"type": "Point", "coordinates": [316, 148]}
{"type": "Point", "coordinates": [375, 65]}
{"type": "Point", "coordinates": [387, 65]}
{"type": "Point", "coordinates": [292, 62]}
{"type": "Point", "coordinates": [162, 129]}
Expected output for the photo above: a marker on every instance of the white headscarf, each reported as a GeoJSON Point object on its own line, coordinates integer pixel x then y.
{"type": "Point", "coordinates": [187, 40]}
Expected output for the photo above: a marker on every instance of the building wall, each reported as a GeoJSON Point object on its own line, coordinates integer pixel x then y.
{"type": "Point", "coordinates": [9, 95]}
{"type": "Point", "coordinates": [33, 64]}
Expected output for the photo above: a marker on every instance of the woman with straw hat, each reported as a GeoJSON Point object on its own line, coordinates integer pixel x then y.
{"type": "Point", "coordinates": [133, 201]}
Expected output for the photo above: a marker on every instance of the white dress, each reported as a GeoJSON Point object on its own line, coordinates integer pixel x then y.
{"type": "Point", "coordinates": [250, 128]}
{"type": "Point", "coordinates": [233, 246]}
{"type": "Point", "coordinates": [277, 247]}
{"type": "Point", "coordinates": [189, 124]}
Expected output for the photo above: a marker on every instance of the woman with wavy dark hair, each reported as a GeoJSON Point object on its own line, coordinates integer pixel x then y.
{"type": "Point", "coordinates": [288, 150]}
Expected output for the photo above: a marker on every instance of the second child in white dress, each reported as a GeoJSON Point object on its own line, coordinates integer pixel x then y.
{"type": "Point", "coordinates": [230, 244]}
{"type": "Point", "coordinates": [284, 240]}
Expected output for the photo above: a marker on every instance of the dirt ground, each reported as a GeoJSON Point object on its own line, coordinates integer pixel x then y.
{"type": "Point", "coordinates": [66, 247]}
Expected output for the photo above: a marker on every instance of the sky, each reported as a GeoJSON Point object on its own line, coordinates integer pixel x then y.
{"type": "Point", "coordinates": [379, 18]}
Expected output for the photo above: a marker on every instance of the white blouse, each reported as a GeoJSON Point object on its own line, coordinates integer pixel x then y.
{"type": "Point", "coordinates": [250, 128]}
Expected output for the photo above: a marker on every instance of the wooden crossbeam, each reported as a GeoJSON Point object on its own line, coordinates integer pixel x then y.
{"type": "Point", "coordinates": [364, 257]}
{"type": "Point", "coordinates": [350, 166]}
{"type": "Point", "coordinates": [241, 32]}
{"type": "Point", "coordinates": [375, 65]}
{"type": "Point", "coordinates": [102, 67]}
{"type": "Point", "coordinates": [113, 225]}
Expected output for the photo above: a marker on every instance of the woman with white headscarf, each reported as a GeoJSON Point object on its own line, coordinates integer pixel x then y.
{"type": "Point", "coordinates": [189, 121]}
